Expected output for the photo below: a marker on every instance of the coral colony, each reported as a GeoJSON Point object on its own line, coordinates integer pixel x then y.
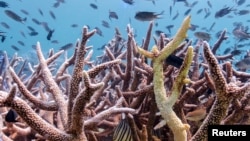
{"type": "Point", "coordinates": [127, 94]}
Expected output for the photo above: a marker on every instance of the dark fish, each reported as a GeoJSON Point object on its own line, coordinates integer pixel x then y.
{"type": "Point", "coordinates": [147, 16]}
{"type": "Point", "coordinates": [193, 27]}
{"type": "Point", "coordinates": [67, 46]}
{"type": "Point", "coordinates": [176, 16]}
{"type": "Point", "coordinates": [169, 27]}
{"type": "Point", "coordinates": [211, 27]}
{"type": "Point", "coordinates": [40, 11]}
{"type": "Point", "coordinates": [22, 33]}
{"type": "Point", "coordinates": [98, 31]}
{"type": "Point", "coordinates": [5, 25]}
{"type": "Point", "coordinates": [33, 33]}
{"type": "Point", "coordinates": [222, 12]}
{"type": "Point", "coordinates": [207, 14]}
{"type": "Point", "coordinates": [14, 16]}
{"type": "Point", "coordinates": [227, 50]}
{"type": "Point", "coordinates": [170, 10]}
{"type": "Point", "coordinates": [159, 32]}
{"type": "Point", "coordinates": [187, 12]}
{"type": "Point", "coordinates": [240, 2]}
{"type": "Point", "coordinates": [113, 15]}
{"type": "Point", "coordinates": [236, 52]}
{"type": "Point", "coordinates": [15, 47]}
{"type": "Point", "coordinates": [52, 15]}
{"type": "Point", "coordinates": [24, 12]}
{"type": "Point", "coordinates": [11, 116]}
{"type": "Point", "coordinates": [45, 26]}
{"type": "Point", "coordinates": [54, 42]}
{"type": "Point", "coordinates": [123, 132]}
{"type": "Point", "coordinates": [209, 4]}
{"type": "Point", "coordinates": [202, 35]}
{"type": "Point", "coordinates": [105, 24]}
{"type": "Point", "coordinates": [4, 4]}
{"type": "Point", "coordinates": [56, 4]}
{"type": "Point", "coordinates": [3, 37]}
{"type": "Point", "coordinates": [74, 25]}
{"type": "Point", "coordinates": [130, 2]}
{"type": "Point", "coordinates": [36, 21]}
{"type": "Point", "coordinates": [193, 4]}
{"type": "Point", "coordinates": [243, 12]}
{"type": "Point", "coordinates": [50, 34]}
{"type": "Point", "coordinates": [21, 43]}
{"type": "Point", "coordinates": [31, 28]}
{"type": "Point", "coordinates": [174, 61]}
{"type": "Point", "coordinates": [199, 11]}
{"type": "Point", "coordinates": [94, 6]}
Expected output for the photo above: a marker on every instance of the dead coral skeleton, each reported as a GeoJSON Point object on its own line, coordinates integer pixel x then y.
{"type": "Point", "coordinates": [83, 99]}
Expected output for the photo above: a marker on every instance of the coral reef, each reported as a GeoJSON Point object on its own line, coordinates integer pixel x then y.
{"type": "Point", "coordinates": [79, 99]}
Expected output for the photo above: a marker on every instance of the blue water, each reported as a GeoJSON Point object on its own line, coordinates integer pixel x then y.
{"type": "Point", "coordinates": [79, 12]}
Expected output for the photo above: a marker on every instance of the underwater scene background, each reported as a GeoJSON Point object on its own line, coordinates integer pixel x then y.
{"type": "Point", "coordinates": [123, 70]}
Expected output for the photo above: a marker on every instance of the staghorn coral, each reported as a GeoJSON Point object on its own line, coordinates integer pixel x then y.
{"type": "Point", "coordinates": [83, 99]}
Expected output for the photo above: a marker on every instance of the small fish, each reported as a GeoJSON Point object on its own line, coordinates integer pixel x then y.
{"type": "Point", "coordinates": [187, 12]}
{"type": "Point", "coordinates": [45, 26]}
{"type": "Point", "coordinates": [130, 2]}
{"type": "Point", "coordinates": [24, 12]}
{"type": "Point", "coordinates": [159, 32]}
{"type": "Point", "coordinates": [176, 15]}
{"type": "Point", "coordinates": [14, 16]}
{"type": "Point", "coordinates": [94, 6]}
{"type": "Point", "coordinates": [169, 27]}
{"type": "Point", "coordinates": [202, 35]}
{"type": "Point", "coordinates": [123, 132]}
{"type": "Point", "coordinates": [199, 11]}
{"type": "Point", "coordinates": [74, 25]}
{"type": "Point", "coordinates": [40, 11]}
{"type": "Point", "coordinates": [105, 24]}
{"type": "Point", "coordinates": [4, 4]}
{"type": "Point", "coordinates": [5, 25]}
{"type": "Point", "coordinates": [11, 116]}
{"type": "Point", "coordinates": [21, 43]}
{"type": "Point", "coordinates": [3, 37]}
{"type": "Point", "coordinates": [193, 27]}
{"type": "Point", "coordinates": [22, 33]}
{"type": "Point", "coordinates": [174, 61]}
{"type": "Point", "coordinates": [147, 16]}
{"type": "Point", "coordinates": [54, 42]}
{"type": "Point", "coordinates": [244, 64]}
{"type": "Point", "coordinates": [33, 33]}
{"type": "Point", "coordinates": [243, 12]}
{"type": "Point", "coordinates": [52, 15]}
{"type": "Point", "coordinates": [113, 15]}
{"type": "Point", "coordinates": [67, 46]}
{"type": "Point", "coordinates": [236, 52]}
{"type": "Point", "coordinates": [222, 12]}
{"type": "Point", "coordinates": [50, 34]}
{"type": "Point", "coordinates": [170, 10]}
{"type": "Point", "coordinates": [30, 28]}
{"type": "Point", "coordinates": [227, 50]}
{"type": "Point", "coordinates": [240, 2]}
{"type": "Point", "coordinates": [15, 47]}
{"type": "Point", "coordinates": [98, 31]}
{"type": "Point", "coordinates": [209, 4]}
{"type": "Point", "coordinates": [56, 4]}
{"type": "Point", "coordinates": [36, 21]}
{"type": "Point", "coordinates": [212, 26]}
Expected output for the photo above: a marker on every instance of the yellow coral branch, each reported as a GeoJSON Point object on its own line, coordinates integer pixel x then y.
{"type": "Point", "coordinates": [165, 103]}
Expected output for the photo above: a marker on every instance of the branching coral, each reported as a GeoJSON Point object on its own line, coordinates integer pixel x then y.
{"type": "Point", "coordinates": [164, 103]}
{"type": "Point", "coordinates": [82, 100]}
